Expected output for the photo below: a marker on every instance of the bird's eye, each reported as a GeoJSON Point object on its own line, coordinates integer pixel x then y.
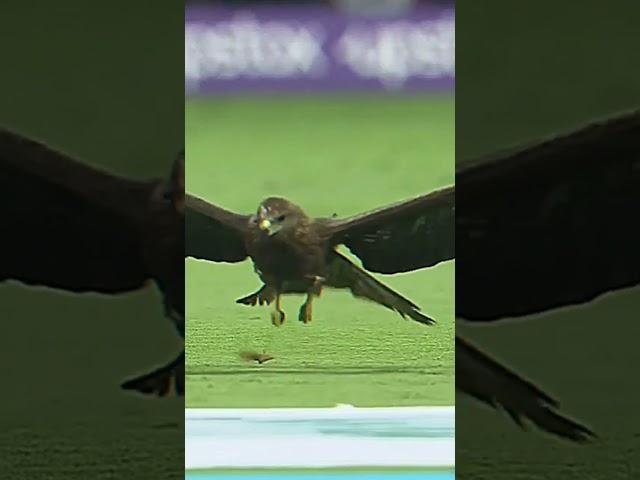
{"type": "Point", "coordinates": [280, 218]}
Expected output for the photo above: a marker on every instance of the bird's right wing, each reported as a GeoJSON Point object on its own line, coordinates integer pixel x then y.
{"type": "Point", "coordinates": [213, 233]}
{"type": "Point", "coordinates": [486, 380]}
{"type": "Point", "coordinates": [405, 236]}
{"type": "Point", "coordinates": [549, 225]}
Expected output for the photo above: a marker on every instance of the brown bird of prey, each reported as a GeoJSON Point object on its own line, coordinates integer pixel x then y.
{"type": "Point", "coordinates": [293, 253]}
{"type": "Point", "coordinates": [538, 228]}
{"type": "Point", "coordinates": [72, 227]}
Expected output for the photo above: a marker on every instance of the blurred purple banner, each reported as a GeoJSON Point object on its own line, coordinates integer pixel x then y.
{"type": "Point", "coordinates": [316, 48]}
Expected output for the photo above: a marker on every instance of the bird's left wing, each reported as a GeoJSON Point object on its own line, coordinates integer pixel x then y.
{"type": "Point", "coordinates": [66, 224]}
{"type": "Point", "coordinates": [486, 380]}
{"type": "Point", "coordinates": [406, 236]}
{"type": "Point", "coordinates": [213, 233]}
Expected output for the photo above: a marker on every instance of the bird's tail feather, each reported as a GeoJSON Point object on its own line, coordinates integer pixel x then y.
{"type": "Point", "coordinates": [345, 274]}
{"type": "Point", "coordinates": [160, 381]}
{"type": "Point", "coordinates": [486, 380]}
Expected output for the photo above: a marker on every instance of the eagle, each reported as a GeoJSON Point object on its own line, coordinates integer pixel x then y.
{"type": "Point", "coordinates": [539, 227]}
{"type": "Point", "coordinates": [75, 228]}
{"type": "Point", "coordinates": [293, 253]}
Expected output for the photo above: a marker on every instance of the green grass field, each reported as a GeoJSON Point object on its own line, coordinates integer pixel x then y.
{"type": "Point", "coordinates": [331, 155]}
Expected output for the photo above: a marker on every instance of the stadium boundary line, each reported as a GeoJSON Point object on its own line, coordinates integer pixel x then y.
{"type": "Point", "coordinates": [342, 436]}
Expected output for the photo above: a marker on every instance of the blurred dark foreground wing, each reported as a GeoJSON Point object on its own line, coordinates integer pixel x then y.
{"type": "Point", "coordinates": [65, 224]}
{"type": "Point", "coordinates": [162, 381]}
{"type": "Point", "coordinates": [213, 233]}
{"type": "Point", "coordinates": [550, 225]}
{"type": "Point", "coordinates": [406, 236]}
{"type": "Point", "coordinates": [489, 382]}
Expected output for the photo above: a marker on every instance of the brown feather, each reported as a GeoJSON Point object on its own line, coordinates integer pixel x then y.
{"type": "Point", "coordinates": [344, 274]}
{"type": "Point", "coordinates": [402, 237]}
{"type": "Point", "coordinates": [213, 233]}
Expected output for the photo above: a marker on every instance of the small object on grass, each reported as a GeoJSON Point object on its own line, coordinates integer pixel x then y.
{"type": "Point", "coordinates": [255, 357]}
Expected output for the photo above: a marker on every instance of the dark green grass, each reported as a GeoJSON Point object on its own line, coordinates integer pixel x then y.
{"type": "Point", "coordinates": [331, 155]}
{"type": "Point", "coordinates": [584, 357]}
{"type": "Point", "coordinates": [63, 413]}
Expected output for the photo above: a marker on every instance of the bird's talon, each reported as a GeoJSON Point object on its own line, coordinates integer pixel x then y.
{"type": "Point", "coordinates": [277, 317]}
{"type": "Point", "coordinates": [305, 314]}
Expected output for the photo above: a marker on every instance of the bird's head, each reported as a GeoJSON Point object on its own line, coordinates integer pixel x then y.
{"type": "Point", "coordinates": [174, 191]}
{"type": "Point", "coordinates": [277, 214]}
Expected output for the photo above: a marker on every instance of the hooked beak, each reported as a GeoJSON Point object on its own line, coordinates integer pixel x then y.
{"type": "Point", "coordinates": [265, 225]}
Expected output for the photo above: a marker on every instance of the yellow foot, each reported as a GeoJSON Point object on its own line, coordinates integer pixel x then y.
{"type": "Point", "coordinates": [305, 313]}
{"type": "Point", "coordinates": [277, 317]}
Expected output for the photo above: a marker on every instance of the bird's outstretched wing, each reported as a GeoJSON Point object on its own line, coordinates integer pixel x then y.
{"type": "Point", "coordinates": [486, 380]}
{"type": "Point", "coordinates": [67, 225]}
{"type": "Point", "coordinates": [213, 233]}
{"type": "Point", "coordinates": [405, 236]}
{"type": "Point", "coordinates": [549, 225]}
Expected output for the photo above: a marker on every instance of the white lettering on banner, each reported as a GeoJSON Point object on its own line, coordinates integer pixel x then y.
{"type": "Point", "coordinates": [244, 47]}
{"type": "Point", "coordinates": [398, 51]}
{"type": "Point", "coordinates": [391, 53]}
